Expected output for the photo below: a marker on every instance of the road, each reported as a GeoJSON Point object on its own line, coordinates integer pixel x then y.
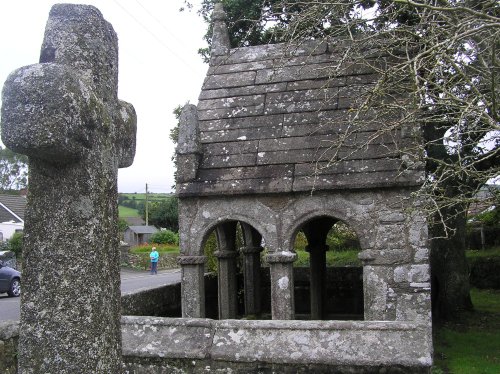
{"type": "Point", "coordinates": [132, 281]}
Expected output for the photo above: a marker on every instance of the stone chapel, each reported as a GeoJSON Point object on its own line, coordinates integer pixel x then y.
{"type": "Point", "coordinates": [257, 153]}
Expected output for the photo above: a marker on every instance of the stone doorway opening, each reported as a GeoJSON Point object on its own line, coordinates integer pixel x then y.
{"type": "Point", "coordinates": [324, 292]}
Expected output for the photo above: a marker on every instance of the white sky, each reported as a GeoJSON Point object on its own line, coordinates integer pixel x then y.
{"type": "Point", "coordinates": [159, 69]}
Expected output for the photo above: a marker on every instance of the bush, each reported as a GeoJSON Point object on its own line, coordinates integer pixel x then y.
{"type": "Point", "coordinates": [16, 243]}
{"type": "Point", "coordinates": [342, 238]}
{"type": "Point", "coordinates": [209, 249]}
{"type": "Point", "coordinates": [165, 237]}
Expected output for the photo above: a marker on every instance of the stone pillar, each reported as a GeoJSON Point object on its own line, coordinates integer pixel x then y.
{"type": "Point", "coordinates": [64, 115]}
{"type": "Point", "coordinates": [282, 297]}
{"type": "Point", "coordinates": [251, 274]}
{"type": "Point", "coordinates": [227, 289]}
{"type": "Point", "coordinates": [317, 268]}
{"type": "Point", "coordinates": [192, 286]}
{"type": "Point", "coordinates": [188, 149]}
{"type": "Point", "coordinates": [220, 36]}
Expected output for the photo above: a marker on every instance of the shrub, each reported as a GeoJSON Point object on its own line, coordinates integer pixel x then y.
{"type": "Point", "coordinates": [16, 243]}
{"type": "Point", "coordinates": [342, 238]}
{"type": "Point", "coordinates": [165, 237]}
{"type": "Point", "coordinates": [209, 249]}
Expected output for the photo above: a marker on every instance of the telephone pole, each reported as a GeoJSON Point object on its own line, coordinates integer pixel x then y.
{"type": "Point", "coordinates": [147, 218]}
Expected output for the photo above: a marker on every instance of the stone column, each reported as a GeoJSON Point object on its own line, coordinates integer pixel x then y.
{"type": "Point", "coordinates": [251, 273]}
{"type": "Point", "coordinates": [227, 289]}
{"type": "Point", "coordinates": [220, 36]}
{"type": "Point", "coordinates": [64, 115]}
{"type": "Point", "coordinates": [282, 297]}
{"type": "Point", "coordinates": [317, 268]}
{"type": "Point", "coordinates": [192, 286]}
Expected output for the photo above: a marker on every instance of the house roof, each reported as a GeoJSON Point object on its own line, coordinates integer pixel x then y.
{"type": "Point", "coordinates": [268, 116]}
{"type": "Point", "coordinates": [12, 208]}
{"type": "Point", "coordinates": [134, 221]}
{"type": "Point", "coordinates": [143, 229]}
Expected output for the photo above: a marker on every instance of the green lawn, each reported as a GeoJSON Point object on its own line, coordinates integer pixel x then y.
{"type": "Point", "coordinates": [161, 248]}
{"type": "Point", "coordinates": [124, 211]}
{"type": "Point", "coordinates": [472, 345]}
{"type": "Point", "coordinates": [333, 258]}
{"type": "Point", "coordinates": [483, 253]}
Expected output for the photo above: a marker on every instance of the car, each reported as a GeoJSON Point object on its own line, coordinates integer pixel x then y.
{"type": "Point", "coordinates": [10, 280]}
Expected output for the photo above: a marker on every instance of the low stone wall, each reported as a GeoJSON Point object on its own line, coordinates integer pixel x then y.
{"type": "Point", "coordinates": [162, 301]}
{"type": "Point", "coordinates": [158, 345]}
{"type": "Point", "coordinates": [9, 337]}
{"type": "Point", "coordinates": [141, 261]}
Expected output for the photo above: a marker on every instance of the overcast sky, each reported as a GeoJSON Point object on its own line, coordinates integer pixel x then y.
{"type": "Point", "coordinates": [159, 68]}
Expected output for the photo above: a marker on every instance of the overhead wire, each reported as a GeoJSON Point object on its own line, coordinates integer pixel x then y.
{"type": "Point", "coordinates": [154, 35]}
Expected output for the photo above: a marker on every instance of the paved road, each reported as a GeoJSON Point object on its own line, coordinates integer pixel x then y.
{"type": "Point", "coordinates": [132, 281]}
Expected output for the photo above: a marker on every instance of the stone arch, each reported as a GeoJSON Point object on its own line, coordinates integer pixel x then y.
{"type": "Point", "coordinates": [318, 285]}
{"type": "Point", "coordinates": [311, 207]}
{"type": "Point", "coordinates": [211, 215]}
{"type": "Point", "coordinates": [224, 225]}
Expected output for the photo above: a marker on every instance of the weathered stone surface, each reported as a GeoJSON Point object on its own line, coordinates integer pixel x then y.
{"type": "Point", "coordinates": [369, 344]}
{"type": "Point", "coordinates": [163, 300]}
{"type": "Point", "coordinates": [64, 114]}
{"type": "Point", "coordinates": [295, 102]}
{"type": "Point", "coordinates": [159, 337]}
{"type": "Point", "coordinates": [285, 149]}
{"type": "Point", "coordinates": [9, 337]}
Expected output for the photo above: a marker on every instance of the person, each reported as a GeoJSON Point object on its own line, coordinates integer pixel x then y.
{"type": "Point", "coordinates": [154, 260]}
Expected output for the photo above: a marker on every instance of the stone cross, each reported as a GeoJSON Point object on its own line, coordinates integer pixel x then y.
{"type": "Point", "coordinates": [64, 114]}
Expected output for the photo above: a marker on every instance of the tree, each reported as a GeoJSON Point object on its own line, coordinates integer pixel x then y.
{"type": "Point", "coordinates": [441, 69]}
{"type": "Point", "coordinates": [164, 214]}
{"type": "Point", "coordinates": [13, 170]}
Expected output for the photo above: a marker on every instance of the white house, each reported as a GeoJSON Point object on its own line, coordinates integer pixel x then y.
{"type": "Point", "coordinates": [11, 215]}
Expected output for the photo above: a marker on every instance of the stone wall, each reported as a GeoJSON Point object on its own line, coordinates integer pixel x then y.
{"type": "Point", "coordinates": [153, 345]}
{"type": "Point", "coordinates": [9, 337]}
{"type": "Point", "coordinates": [142, 261]}
{"type": "Point", "coordinates": [162, 301]}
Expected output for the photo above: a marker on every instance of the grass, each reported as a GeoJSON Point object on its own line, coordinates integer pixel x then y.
{"type": "Point", "coordinates": [161, 248]}
{"type": "Point", "coordinates": [483, 253]}
{"type": "Point", "coordinates": [142, 196]}
{"type": "Point", "coordinates": [333, 258]}
{"type": "Point", "coordinates": [124, 211]}
{"type": "Point", "coordinates": [472, 345]}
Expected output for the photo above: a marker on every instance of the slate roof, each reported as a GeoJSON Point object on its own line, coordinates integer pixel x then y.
{"type": "Point", "coordinates": [12, 208]}
{"type": "Point", "coordinates": [267, 119]}
{"type": "Point", "coordinates": [134, 221]}
{"type": "Point", "coordinates": [143, 229]}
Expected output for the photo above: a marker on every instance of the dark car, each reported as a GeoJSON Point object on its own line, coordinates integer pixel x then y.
{"type": "Point", "coordinates": [10, 280]}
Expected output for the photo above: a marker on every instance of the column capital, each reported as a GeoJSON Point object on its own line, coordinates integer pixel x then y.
{"type": "Point", "coordinates": [191, 260]}
{"type": "Point", "coordinates": [282, 257]}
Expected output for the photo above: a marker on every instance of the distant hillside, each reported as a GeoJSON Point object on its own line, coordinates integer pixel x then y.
{"type": "Point", "coordinates": [132, 204]}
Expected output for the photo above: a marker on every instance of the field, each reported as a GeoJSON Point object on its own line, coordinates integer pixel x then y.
{"type": "Point", "coordinates": [471, 345]}
{"type": "Point", "coordinates": [124, 211]}
{"type": "Point", "coordinates": [131, 203]}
